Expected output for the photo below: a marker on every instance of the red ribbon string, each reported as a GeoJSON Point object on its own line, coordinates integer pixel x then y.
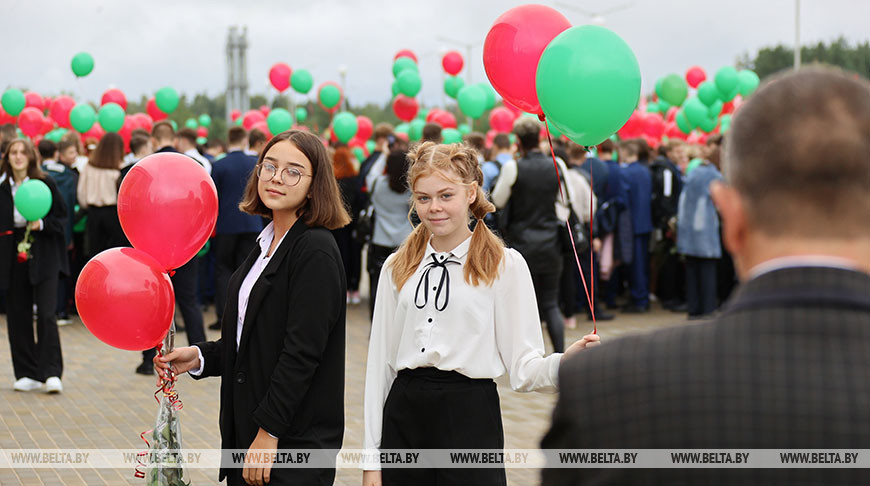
{"type": "Point", "coordinates": [141, 473]}
{"type": "Point", "coordinates": [586, 289]}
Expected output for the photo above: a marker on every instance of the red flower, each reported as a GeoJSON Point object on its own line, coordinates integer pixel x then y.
{"type": "Point", "coordinates": [22, 256]}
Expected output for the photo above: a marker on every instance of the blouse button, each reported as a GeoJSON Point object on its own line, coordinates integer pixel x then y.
{"type": "Point", "coordinates": [422, 350]}
{"type": "Point", "coordinates": [430, 319]}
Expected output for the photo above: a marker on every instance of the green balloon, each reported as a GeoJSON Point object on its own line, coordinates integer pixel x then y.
{"type": "Point", "coordinates": [696, 112]}
{"type": "Point", "coordinates": [409, 82]}
{"type": "Point", "coordinates": [658, 88]}
{"type": "Point", "coordinates": [205, 248]}
{"type": "Point", "coordinates": [111, 117]}
{"type": "Point", "coordinates": [652, 107]}
{"type": "Point", "coordinates": [464, 129]}
{"type": "Point", "coordinates": [191, 123]}
{"type": "Point", "coordinates": [238, 121]}
{"type": "Point", "coordinates": [13, 101]}
{"type": "Point", "coordinates": [329, 96]}
{"type": "Point", "coordinates": [588, 83]}
{"type": "Point", "coordinates": [166, 99]}
{"type": "Point", "coordinates": [415, 130]}
{"type": "Point", "coordinates": [395, 88]}
{"type": "Point", "coordinates": [708, 93]}
{"type": "Point", "coordinates": [402, 64]}
{"type": "Point", "coordinates": [747, 82]}
{"type": "Point", "coordinates": [725, 123]}
{"type": "Point", "coordinates": [82, 117]}
{"type": "Point", "coordinates": [301, 115]}
{"type": "Point", "coordinates": [359, 153]}
{"type": "Point", "coordinates": [727, 80]}
{"type": "Point", "coordinates": [554, 131]}
{"type": "Point", "coordinates": [707, 125]}
{"type": "Point", "coordinates": [33, 200]}
{"type": "Point", "coordinates": [452, 85]}
{"type": "Point", "coordinates": [345, 126]}
{"type": "Point", "coordinates": [664, 106]}
{"type": "Point", "coordinates": [279, 120]}
{"type": "Point", "coordinates": [301, 81]}
{"type": "Point", "coordinates": [683, 122]}
{"type": "Point", "coordinates": [175, 125]}
{"type": "Point", "coordinates": [715, 109]}
{"type": "Point", "coordinates": [726, 97]}
{"type": "Point", "coordinates": [490, 94]}
{"type": "Point", "coordinates": [472, 101]}
{"type": "Point", "coordinates": [422, 113]}
{"type": "Point", "coordinates": [451, 135]}
{"type": "Point", "coordinates": [82, 64]}
{"type": "Point", "coordinates": [674, 89]}
{"type": "Point", "coordinates": [693, 163]}
{"type": "Point", "coordinates": [57, 134]}
{"type": "Point", "coordinates": [201, 140]}
{"type": "Point", "coordinates": [205, 120]}
{"type": "Point", "coordinates": [370, 145]}
{"type": "Point", "coordinates": [402, 128]}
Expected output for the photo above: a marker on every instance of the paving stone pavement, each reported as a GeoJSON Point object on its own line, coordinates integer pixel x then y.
{"type": "Point", "coordinates": [106, 405]}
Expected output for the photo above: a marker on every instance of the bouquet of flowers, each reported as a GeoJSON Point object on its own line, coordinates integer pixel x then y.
{"type": "Point", "coordinates": [24, 246]}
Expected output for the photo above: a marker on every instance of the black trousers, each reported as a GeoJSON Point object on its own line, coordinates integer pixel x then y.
{"type": "Point", "coordinates": [65, 290]}
{"type": "Point", "coordinates": [701, 285]}
{"type": "Point", "coordinates": [230, 253]}
{"type": "Point", "coordinates": [103, 229]}
{"type": "Point", "coordinates": [432, 409]}
{"type": "Point", "coordinates": [351, 254]}
{"type": "Point", "coordinates": [184, 282]}
{"type": "Point", "coordinates": [40, 359]}
{"type": "Point", "coordinates": [376, 258]}
{"type": "Point", "coordinates": [547, 294]}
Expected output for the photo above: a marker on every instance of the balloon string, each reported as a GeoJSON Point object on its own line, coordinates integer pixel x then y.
{"type": "Point", "coordinates": [571, 233]}
{"type": "Point", "coordinates": [167, 386]}
{"type": "Point", "coordinates": [141, 473]}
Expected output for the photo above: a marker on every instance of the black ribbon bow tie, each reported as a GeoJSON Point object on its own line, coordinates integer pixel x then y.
{"type": "Point", "coordinates": [443, 284]}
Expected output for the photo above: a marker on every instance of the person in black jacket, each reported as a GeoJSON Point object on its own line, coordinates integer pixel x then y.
{"type": "Point", "coordinates": [281, 352]}
{"type": "Point", "coordinates": [31, 280]}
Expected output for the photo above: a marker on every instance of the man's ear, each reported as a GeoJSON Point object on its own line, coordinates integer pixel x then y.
{"type": "Point", "coordinates": [731, 208]}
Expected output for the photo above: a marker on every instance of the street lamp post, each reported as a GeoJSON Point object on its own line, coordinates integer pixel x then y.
{"type": "Point", "coordinates": [797, 34]}
{"type": "Point", "coordinates": [342, 72]}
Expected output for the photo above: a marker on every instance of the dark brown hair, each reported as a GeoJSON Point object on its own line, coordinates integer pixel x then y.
{"type": "Point", "coordinates": [502, 141]}
{"type": "Point", "coordinates": [236, 135]}
{"type": "Point", "coordinates": [606, 146]}
{"type": "Point", "coordinates": [188, 134]}
{"type": "Point", "coordinates": [162, 130]}
{"type": "Point", "coordinates": [383, 130]}
{"type": "Point", "coordinates": [793, 180]}
{"type": "Point", "coordinates": [33, 169]}
{"type": "Point", "coordinates": [432, 132]}
{"type": "Point", "coordinates": [324, 206]}
{"type": "Point", "coordinates": [255, 137]}
{"type": "Point", "coordinates": [397, 171]}
{"type": "Point", "coordinates": [109, 152]}
{"type": "Point", "coordinates": [476, 140]}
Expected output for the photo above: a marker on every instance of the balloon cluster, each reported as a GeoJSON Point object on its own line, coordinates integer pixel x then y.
{"type": "Point", "coordinates": [167, 205]}
{"type": "Point", "coordinates": [406, 85]}
{"type": "Point", "coordinates": [584, 80]}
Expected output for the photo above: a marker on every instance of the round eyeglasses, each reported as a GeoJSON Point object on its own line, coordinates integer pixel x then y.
{"type": "Point", "coordinates": [289, 176]}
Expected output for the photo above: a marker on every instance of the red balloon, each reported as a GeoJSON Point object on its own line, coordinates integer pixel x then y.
{"type": "Point", "coordinates": [60, 108]}
{"type": "Point", "coordinates": [673, 131]}
{"type": "Point", "coordinates": [95, 133]}
{"type": "Point", "coordinates": [513, 48]}
{"type": "Point", "coordinates": [34, 100]}
{"type": "Point", "coordinates": [168, 207]}
{"type": "Point", "coordinates": [490, 137]}
{"type": "Point", "coordinates": [202, 132]}
{"type": "Point", "coordinates": [501, 119]}
{"type": "Point", "coordinates": [405, 107]}
{"type": "Point", "coordinates": [125, 299]}
{"type": "Point", "coordinates": [729, 107]}
{"type": "Point", "coordinates": [672, 114]}
{"type": "Point", "coordinates": [145, 122]}
{"type": "Point", "coordinates": [114, 96]}
{"type": "Point", "coordinates": [126, 131]}
{"type": "Point", "coordinates": [365, 127]}
{"type": "Point", "coordinates": [695, 76]}
{"type": "Point", "coordinates": [441, 117]}
{"type": "Point", "coordinates": [235, 114]}
{"type": "Point", "coordinates": [279, 76]}
{"type": "Point", "coordinates": [251, 118]}
{"type": "Point", "coordinates": [405, 53]}
{"type": "Point", "coordinates": [47, 125]}
{"type": "Point", "coordinates": [264, 109]}
{"type": "Point", "coordinates": [153, 111]}
{"type": "Point", "coordinates": [697, 138]}
{"type": "Point", "coordinates": [30, 121]}
{"type": "Point", "coordinates": [5, 117]}
{"type": "Point", "coordinates": [653, 125]}
{"type": "Point", "coordinates": [516, 111]}
{"type": "Point", "coordinates": [359, 142]}
{"type": "Point", "coordinates": [262, 126]}
{"type": "Point", "coordinates": [633, 126]}
{"type": "Point", "coordinates": [452, 62]}
{"type": "Point", "coordinates": [402, 136]}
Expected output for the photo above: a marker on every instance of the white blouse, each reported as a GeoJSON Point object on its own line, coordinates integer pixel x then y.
{"type": "Point", "coordinates": [446, 323]}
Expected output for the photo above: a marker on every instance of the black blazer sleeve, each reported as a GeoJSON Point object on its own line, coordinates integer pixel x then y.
{"type": "Point", "coordinates": [53, 223]}
{"type": "Point", "coordinates": [211, 354]}
{"type": "Point", "coordinates": [314, 307]}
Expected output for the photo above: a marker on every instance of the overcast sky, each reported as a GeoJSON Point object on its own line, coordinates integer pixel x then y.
{"type": "Point", "coordinates": [143, 45]}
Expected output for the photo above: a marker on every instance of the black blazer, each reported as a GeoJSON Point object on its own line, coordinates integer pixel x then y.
{"type": "Point", "coordinates": [786, 366]}
{"type": "Point", "coordinates": [288, 374]}
{"type": "Point", "coordinates": [48, 252]}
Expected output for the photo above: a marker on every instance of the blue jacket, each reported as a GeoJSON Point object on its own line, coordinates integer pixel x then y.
{"type": "Point", "coordinates": [230, 176]}
{"type": "Point", "coordinates": [639, 181]}
{"type": "Point", "coordinates": [697, 220]}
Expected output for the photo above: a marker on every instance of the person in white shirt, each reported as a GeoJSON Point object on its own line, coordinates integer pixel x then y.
{"type": "Point", "coordinates": [454, 310]}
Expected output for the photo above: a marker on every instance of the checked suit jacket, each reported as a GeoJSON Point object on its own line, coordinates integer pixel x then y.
{"type": "Point", "coordinates": [785, 366]}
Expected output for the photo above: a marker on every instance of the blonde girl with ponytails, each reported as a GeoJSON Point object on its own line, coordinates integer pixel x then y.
{"type": "Point", "coordinates": [454, 310]}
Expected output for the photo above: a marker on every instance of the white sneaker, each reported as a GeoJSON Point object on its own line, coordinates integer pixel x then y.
{"type": "Point", "coordinates": [64, 321]}
{"type": "Point", "coordinates": [53, 385]}
{"type": "Point", "coordinates": [26, 384]}
{"type": "Point", "coordinates": [355, 298]}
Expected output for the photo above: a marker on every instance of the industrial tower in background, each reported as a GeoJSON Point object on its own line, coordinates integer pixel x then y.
{"type": "Point", "coordinates": [237, 70]}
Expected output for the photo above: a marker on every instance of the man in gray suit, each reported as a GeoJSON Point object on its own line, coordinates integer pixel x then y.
{"type": "Point", "coordinates": [786, 365]}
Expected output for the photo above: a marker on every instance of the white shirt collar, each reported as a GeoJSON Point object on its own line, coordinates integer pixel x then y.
{"type": "Point", "coordinates": [802, 261]}
{"type": "Point", "coordinates": [459, 252]}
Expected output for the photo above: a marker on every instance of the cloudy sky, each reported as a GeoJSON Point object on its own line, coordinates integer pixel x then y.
{"type": "Point", "coordinates": [141, 46]}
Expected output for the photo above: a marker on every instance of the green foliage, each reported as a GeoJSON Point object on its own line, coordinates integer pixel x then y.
{"type": "Point", "coordinates": [840, 52]}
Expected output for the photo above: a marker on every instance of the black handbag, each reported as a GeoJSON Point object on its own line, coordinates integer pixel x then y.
{"type": "Point", "coordinates": [579, 231]}
{"type": "Point", "coordinates": [365, 221]}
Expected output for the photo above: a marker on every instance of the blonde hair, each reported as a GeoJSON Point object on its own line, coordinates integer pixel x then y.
{"type": "Point", "coordinates": [486, 250]}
